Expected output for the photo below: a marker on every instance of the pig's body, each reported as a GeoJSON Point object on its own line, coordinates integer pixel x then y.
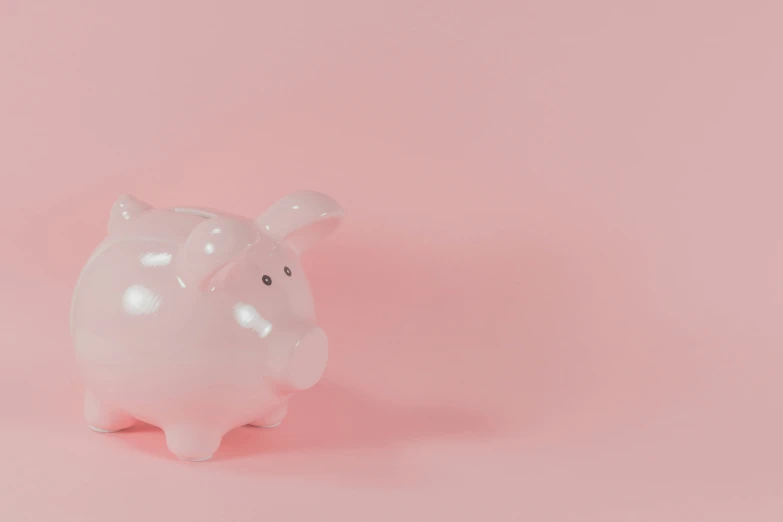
{"type": "Point", "coordinates": [197, 322]}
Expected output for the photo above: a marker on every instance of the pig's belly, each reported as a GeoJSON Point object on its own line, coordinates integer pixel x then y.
{"type": "Point", "coordinates": [165, 386]}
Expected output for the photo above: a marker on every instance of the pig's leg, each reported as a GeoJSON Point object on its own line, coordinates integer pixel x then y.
{"type": "Point", "coordinates": [192, 443]}
{"type": "Point", "coordinates": [103, 417]}
{"type": "Point", "coordinates": [272, 418]}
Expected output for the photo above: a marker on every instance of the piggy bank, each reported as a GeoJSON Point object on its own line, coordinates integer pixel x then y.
{"type": "Point", "coordinates": [199, 321]}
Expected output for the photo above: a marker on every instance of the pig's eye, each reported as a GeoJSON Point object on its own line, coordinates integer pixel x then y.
{"type": "Point", "coordinates": [267, 280]}
{"type": "Point", "coordinates": [287, 271]}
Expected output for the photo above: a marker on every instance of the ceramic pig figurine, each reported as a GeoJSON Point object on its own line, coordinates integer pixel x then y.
{"type": "Point", "coordinates": [198, 321]}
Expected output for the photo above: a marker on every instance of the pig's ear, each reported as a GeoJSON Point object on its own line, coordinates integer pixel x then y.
{"type": "Point", "coordinates": [125, 208]}
{"type": "Point", "coordinates": [301, 219]}
{"type": "Point", "coordinates": [212, 248]}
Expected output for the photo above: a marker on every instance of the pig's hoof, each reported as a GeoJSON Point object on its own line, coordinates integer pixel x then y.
{"type": "Point", "coordinates": [191, 443]}
{"type": "Point", "coordinates": [104, 418]}
{"type": "Point", "coordinates": [271, 419]}
{"type": "Point", "coordinates": [101, 430]}
{"type": "Point", "coordinates": [201, 459]}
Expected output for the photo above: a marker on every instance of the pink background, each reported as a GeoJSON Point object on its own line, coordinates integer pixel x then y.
{"type": "Point", "coordinates": [557, 295]}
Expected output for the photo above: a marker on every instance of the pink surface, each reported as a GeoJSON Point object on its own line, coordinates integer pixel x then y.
{"type": "Point", "coordinates": [556, 296]}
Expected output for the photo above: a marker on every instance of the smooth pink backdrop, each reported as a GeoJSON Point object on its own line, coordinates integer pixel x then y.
{"type": "Point", "coordinates": [557, 295]}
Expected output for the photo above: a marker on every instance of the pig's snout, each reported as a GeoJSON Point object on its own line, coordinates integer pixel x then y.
{"type": "Point", "coordinates": [299, 360]}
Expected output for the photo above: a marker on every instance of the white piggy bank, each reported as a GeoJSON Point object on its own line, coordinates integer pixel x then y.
{"type": "Point", "coordinates": [198, 321]}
